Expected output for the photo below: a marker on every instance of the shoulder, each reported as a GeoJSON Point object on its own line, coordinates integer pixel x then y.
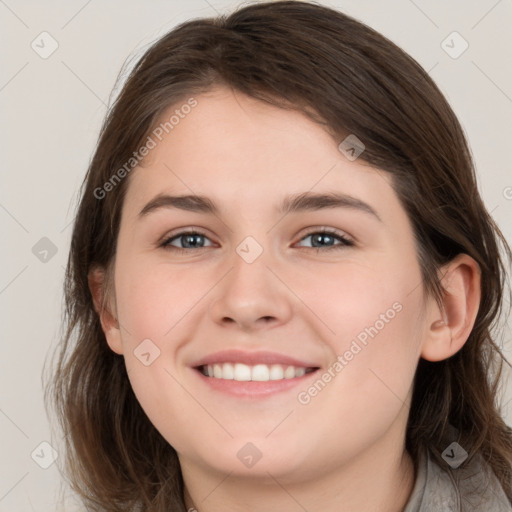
{"type": "Point", "coordinates": [470, 488]}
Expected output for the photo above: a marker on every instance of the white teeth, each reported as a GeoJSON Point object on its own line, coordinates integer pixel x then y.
{"type": "Point", "coordinates": [228, 372]}
{"type": "Point", "coordinates": [242, 372]}
{"type": "Point", "coordinates": [258, 372]}
{"type": "Point", "coordinates": [217, 371]}
{"type": "Point", "coordinates": [299, 372]}
{"type": "Point", "coordinates": [276, 372]}
{"type": "Point", "coordinates": [289, 373]}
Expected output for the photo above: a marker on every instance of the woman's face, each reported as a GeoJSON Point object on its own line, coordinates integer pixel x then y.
{"type": "Point", "coordinates": [313, 341]}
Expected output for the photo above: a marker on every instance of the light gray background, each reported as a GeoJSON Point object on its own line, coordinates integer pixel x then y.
{"type": "Point", "coordinates": [51, 114]}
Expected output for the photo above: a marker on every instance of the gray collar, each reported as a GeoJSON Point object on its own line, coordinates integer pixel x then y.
{"type": "Point", "coordinates": [434, 490]}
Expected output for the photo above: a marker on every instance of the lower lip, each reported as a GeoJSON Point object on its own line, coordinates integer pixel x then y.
{"type": "Point", "coordinates": [253, 389]}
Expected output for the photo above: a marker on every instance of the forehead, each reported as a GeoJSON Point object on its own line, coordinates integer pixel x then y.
{"type": "Point", "coordinates": [239, 150]}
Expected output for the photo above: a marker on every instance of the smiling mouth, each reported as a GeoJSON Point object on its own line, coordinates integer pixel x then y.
{"type": "Point", "coordinates": [254, 373]}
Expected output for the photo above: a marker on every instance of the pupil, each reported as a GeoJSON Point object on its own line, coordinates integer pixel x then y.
{"type": "Point", "coordinates": [191, 241]}
{"type": "Point", "coordinates": [321, 237]}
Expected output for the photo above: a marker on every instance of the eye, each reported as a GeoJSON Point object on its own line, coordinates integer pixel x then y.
{"type": "Point", "coordinates": [187, 240]}
{"type": "Point", "coordinates": [326, 238]}
{"type": "Point", "coordinates": [321, 239]}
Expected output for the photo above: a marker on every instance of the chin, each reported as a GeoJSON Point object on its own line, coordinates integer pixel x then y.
{"type": "Point", "coordinates": [257, 458]}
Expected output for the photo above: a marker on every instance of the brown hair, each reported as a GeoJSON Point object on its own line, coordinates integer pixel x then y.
{"type": "Point", "coordinates": [348, 77]}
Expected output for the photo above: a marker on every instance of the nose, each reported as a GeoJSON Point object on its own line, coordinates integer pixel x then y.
{"type": "Point", "coordinates": [251, 296]}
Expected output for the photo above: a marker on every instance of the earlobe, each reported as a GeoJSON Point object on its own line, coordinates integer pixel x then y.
{"type": "Point", "coordinates": [449, 328]}
{"type": "Point", "coordinates": [108, 320]}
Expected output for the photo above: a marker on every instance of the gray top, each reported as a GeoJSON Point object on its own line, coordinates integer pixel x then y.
{"type": "Point", "coordinates": [434, 491]}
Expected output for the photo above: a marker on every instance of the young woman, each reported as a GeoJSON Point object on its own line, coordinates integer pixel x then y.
{"type": "Point", "coordinates": [283, 283]}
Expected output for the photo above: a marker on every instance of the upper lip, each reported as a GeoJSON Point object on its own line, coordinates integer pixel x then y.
{"type": "Point", "coordinates": [251, 359]}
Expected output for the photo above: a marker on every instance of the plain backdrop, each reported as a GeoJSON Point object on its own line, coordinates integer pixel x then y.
{"type": "Point", "coordinates": [52, 107]}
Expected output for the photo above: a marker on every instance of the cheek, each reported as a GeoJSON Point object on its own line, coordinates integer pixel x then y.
{"type": "Point", "coordinates": [166, 403]}
{"type": "Point", "coordinates": [367, 300]}
{"type": "Point", "coordinates": [157, 303]}
{"type": "Point", "coordinates": [153, 299]}
{"type": "Point", "coordinates": [369, 318]}
{"type": "Point", "coordinates": [370, 388]}
{"type": "Point", "coordinates": [153, 304]}
{"type": "Point", "coordinates": [379, 359]}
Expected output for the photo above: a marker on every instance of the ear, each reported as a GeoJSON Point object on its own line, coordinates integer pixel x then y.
{"type": "Point", "coordinates": [108, 320]}
{"type": "Point", "coordinates": [450, 328]}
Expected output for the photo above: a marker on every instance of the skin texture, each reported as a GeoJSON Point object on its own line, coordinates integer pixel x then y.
{"type": "Point", "coordinates": [344, 450]}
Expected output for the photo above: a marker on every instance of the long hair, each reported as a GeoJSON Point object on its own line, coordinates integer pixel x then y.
{"type": "Point", "coordinates": [351, 80]}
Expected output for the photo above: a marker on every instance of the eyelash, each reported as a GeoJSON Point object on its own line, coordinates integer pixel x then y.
{"type": "Point", "coordinates": [345, 242]}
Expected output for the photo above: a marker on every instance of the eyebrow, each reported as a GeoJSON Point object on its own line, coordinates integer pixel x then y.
{"type": "Point", "coordinates": [306, 201]}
